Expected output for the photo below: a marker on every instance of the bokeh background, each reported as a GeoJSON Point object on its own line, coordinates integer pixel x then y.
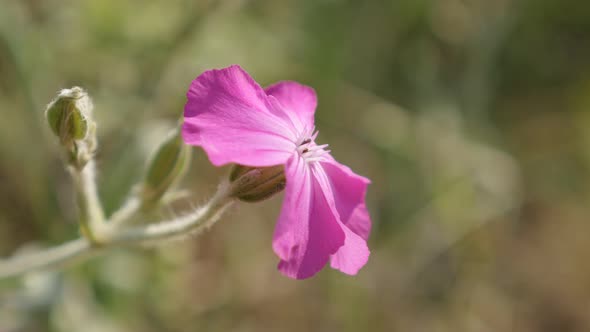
{"type": "Point", "coordinates": [471, 117]}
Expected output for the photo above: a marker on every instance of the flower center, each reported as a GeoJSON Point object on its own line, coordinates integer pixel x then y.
{"type": "Point", "coordinates": [308, 149]}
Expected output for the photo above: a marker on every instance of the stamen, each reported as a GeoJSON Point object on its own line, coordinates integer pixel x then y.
{"type": "Point", "coordinates": [313, 159]}
{"type": "Point", "coordinates": [302, 148]}
{"type": "Point", "coordinates": [315, 135]}
{"type": "Point", "coordinates": [307, 148]}
{"type": "Point", "coordinates": [317, 147]}
{"type": "Point", "coordinates": [305, 141]}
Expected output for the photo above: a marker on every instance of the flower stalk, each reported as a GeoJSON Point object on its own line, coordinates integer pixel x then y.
{"type": "Point", "coordinates": [91, 215]}
{"type": "Point", "coordinates": [192, 223]}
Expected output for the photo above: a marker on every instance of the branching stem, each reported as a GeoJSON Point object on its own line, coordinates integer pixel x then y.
{"type": "Point", "coordinates": [163, 232]}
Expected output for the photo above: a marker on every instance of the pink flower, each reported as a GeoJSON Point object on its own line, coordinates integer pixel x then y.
{"type": "Point", "coordinates": [323, 217]}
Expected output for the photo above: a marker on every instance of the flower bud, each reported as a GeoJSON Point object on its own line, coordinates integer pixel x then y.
{"type": "Point", "coordinates": [168, 164]}
{"type": "Point", "coordinates": [254, 184]}
{"type": "Point", "coordinates": [68, 115]}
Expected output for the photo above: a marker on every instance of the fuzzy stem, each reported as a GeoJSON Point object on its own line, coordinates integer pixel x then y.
{"type": "Point", "coordinates": [81, 248]}
{"type": "Point", "coordinates": [128, 212]}
{"type": "Point", "coordinates": [49, 258]}
{"type": "Point", "coordinates": [192, 223]}
{"type": "Point", "coordinates": [92, 219]}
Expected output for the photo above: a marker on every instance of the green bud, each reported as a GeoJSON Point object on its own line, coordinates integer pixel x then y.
{"type": "Point", "coordinates": [68, 115]}
{"type": "Point", "coordinates": [254, 184]}
{"type": "Point", "coordinates": [168, 164]}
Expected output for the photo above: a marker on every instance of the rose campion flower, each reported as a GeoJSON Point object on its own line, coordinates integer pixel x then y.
{"type": "Point", "coordinates": [323, 217]}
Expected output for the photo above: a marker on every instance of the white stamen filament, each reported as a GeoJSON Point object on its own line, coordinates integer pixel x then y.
{"type": "Point", "coordinates": [308, 149]}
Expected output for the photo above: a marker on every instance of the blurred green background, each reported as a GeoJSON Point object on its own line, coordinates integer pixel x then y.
{"type": "Point", "coordinates": [471, 117]}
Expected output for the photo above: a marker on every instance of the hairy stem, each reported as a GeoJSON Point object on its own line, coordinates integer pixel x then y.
{"type": "Point", "coordinates": [50, 258]}
{"type": "Point", "coordinates": [192, 223]}
{"type": "Point", "coordinates": [128, 212]}
{"type": "Point", "coordinates": [92, 219]}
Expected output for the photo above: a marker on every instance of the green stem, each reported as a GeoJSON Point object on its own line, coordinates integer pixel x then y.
{"type": "Point", "coordinates": [49, 258]}
{"type": "Point", "coordinates": [92, 219]}
{"type": "Point", "coordinates": [192, 223]}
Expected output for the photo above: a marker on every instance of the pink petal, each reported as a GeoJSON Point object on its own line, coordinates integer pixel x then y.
{"type": "Point", "coordinates": [299, 101]}
{"type": "Point", "coordinates": [352, 256]}
{"type": "Point", "coordinates": [232, 118]}
{"type": "Point", "coordinates": [308, 231]}
{"type": "Point", "coordinates": [348, 191]}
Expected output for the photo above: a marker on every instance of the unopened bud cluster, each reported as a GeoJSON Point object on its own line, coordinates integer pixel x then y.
{"type": "Point", "coordinates": [254, 184]}
{"type": "Point", "coordinates": [69, 117]}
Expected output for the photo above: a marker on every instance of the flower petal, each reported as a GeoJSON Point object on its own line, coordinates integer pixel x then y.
{"type": "Point", "coordinates": [349, 191]}
{"type": "Point", "coordinates": [231, 117]}
{"type": "Point", "coordinates": [352, 256]}
{"type": "Point", "coordinates": [308, 231]}
{"type": "Point", "coordinates": [298, 100]}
